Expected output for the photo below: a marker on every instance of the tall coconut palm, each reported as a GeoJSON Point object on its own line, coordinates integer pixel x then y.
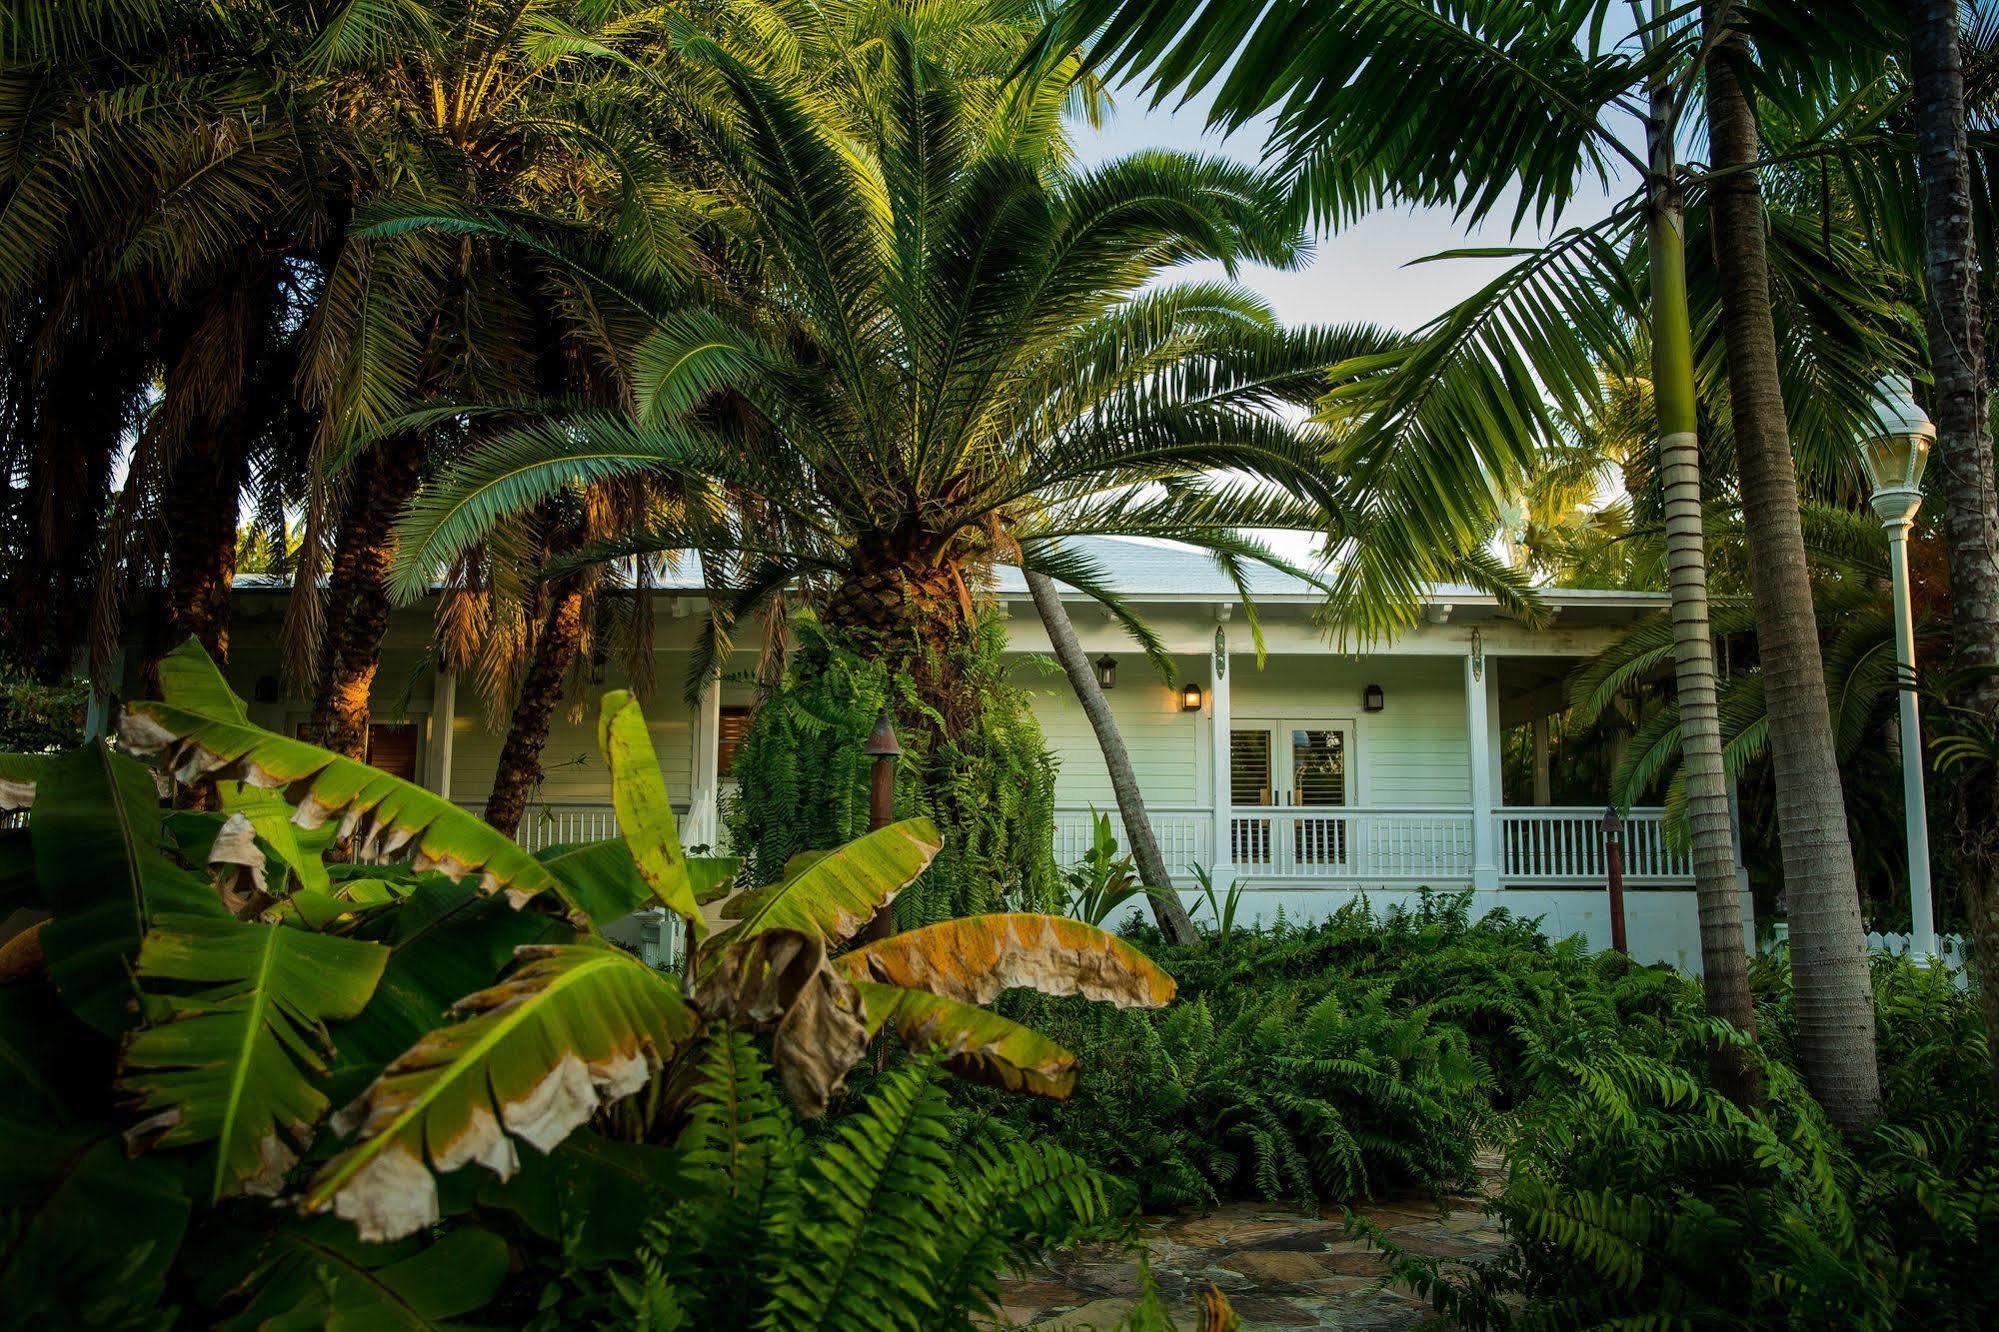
{"type": "Point", "coordinates": [1536, 95]}
{"type": "Point", "coordinates": [1964, 439]}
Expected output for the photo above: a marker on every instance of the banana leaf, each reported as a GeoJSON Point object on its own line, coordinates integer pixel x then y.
{"type": "Point", "coordinates": [90, 1233]}
{"type": "Point", "coordinates": [975, 1043]}
{"type": "Point", "coordinates": [976, 958]}
{"type": "Point", "coordinates": [839, 892]}
{"type": "Point", "coordinates": [604, 878]}
{"type": "Point", "coordinates": [593, 1195]}
{"type": "Point", "coordinates": [99, 847]}
{"type": "Point", "coordinates": [317, 1275]}
{"type": "Point", "coordinates": [533, 1057]}
{"type": "Point", "coordinates": [18, 775]}
{"type": "Point", "coordinates": [233, 1063]}
{"type": "Point", "coordinates": [645, 814]}
{"type": "Point", "coordinates": [202, 730]}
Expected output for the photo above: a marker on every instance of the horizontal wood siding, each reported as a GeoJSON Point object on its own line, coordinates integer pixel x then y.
{"type": "Point", "coordinates": [573, 770]}
{"type": "Point", "coordinates": [1168, 747]}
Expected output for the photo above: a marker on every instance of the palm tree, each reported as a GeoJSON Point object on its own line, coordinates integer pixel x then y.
{"type": "Point", "coordinates": [1964, 441]}
{"type": "Point", "coordinates": [956, 365]}
{"type": "Point", "coordinates": [1534, 93]}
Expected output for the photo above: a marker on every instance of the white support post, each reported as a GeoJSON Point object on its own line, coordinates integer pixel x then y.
{"type": "Point", "coordinates": [99, 713]}
{"type": "Point", "coordinates": [443, 711]}
{"type": "Point", "coordinates": [1220, 858]}
{"type": "Point", "coordinates": [703, 814]}
{"type": "Point", "coordinates": [1480, 717]}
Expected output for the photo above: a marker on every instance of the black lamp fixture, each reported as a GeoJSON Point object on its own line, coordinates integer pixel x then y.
{"type": "Point", "coordinates": [1190, 697]}
{"type": "Point", "coordinates": [1372, 699]}
{"type": "Point", "coordinates": [1107, 672]}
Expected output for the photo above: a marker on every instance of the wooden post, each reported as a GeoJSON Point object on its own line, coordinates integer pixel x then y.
{"type": "Point", "coordinates": [883, 747]}
{"type": "Point", "coordinates": [1613, 868]}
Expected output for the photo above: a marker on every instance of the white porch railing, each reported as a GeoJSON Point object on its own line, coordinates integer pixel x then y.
{"type": "Point", "coordinates": [1369, 845]}
{"type": "Point", "coordinates": [553, 824]}
{"type": "Point", "coordinates": [1183, 832]}
{"type": "Point", "coordinates": [1564, 844]}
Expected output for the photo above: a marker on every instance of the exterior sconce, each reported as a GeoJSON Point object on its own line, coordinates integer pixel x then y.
{"type": "Point", "coordinates": [1372, 699]}
{"type": "Point", "coordinates": [1190, 697]}
{"type": "Point", "coordinates": [1107, 672]}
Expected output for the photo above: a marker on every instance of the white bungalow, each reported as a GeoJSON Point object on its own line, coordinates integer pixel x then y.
{"type": "Point", "coordinates": [1373, 772]}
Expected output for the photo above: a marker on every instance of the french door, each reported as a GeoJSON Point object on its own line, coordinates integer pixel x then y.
{"type": "Point", "coordinates": [1295, 765]}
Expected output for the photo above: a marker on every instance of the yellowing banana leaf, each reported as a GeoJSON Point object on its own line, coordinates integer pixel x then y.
{"type": "Point", "coordinates": [202, 730]}
{"type": "Point", "coordinates": [645, 814]}
{"type": "Point", "coordinates": [233, 1063]}
{"type": "Point", "coordinates": [840, 891]}
{"type": "Point", "coordinates": [18, 775]}
{"type": "Point", "coordinates": [976, 1043]}
{"type": "Point", "coordinates": [779, 981]}
{"type": "Point", "coordinates": [975, 958]}
{"type": "Point", "coordinates": [266, 817]}
{"type": "Point", "coordinates": [532, 1058]}
{"type": "Point", "coordinates": [98, 844]}
{"type": "Point", "coordinates": [604, 879]}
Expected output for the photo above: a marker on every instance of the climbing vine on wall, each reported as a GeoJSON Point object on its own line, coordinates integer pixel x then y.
{"type": "Point", "coordinates": [802, 780]}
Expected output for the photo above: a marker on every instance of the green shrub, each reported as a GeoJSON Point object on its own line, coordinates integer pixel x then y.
{"type": "Point", "coordinates": [882, 1222]}
{"type": "Point", "coordinates": [802, 779]}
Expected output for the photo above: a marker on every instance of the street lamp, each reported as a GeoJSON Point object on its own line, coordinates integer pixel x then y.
{"type": "Point", "coordinates": [1895, 451]}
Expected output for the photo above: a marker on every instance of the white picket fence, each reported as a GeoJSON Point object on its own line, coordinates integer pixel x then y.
{"type": "Point", "coordinates": [1951, 948]}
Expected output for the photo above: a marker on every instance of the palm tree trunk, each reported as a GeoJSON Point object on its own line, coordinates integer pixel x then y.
{"type": "Point", "coordinates": [1724, 961]}
{"type": "Point", "coordinates": [1964, 452]}
{"type": "Point", "coordinates": [203, 496]}
{"type": "Point", "coordinates": [1173, 920]}
{"type": "Point", "coordinates": [555, 652]}
{"type": "Point", "coordinates": [1834, 998]}
{"type": "Point", "coordinates": [357, 592]}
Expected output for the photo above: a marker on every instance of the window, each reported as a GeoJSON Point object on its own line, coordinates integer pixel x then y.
{"type": "Point", "coordinates": [734, 725]}
{"type": "Point", "coordinates": [391, 746]}
{"type": "Point", "coordinates": [1318, 767]}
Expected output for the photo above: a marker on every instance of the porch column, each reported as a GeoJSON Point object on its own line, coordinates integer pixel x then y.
{"type": "Point", "coordinates": [1544, 785]}
{"type": "Point", "coordinates": [1479, 719]}
{"type": "Point", "coordinates": [702, 814]}
{"type": "Point", "coordinates": [443, 709]}
{"type": "Point", "coordinates": [1220, 856]}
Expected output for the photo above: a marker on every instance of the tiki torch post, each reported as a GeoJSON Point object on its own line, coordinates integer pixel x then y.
{"type": "Point", "coordinates": [883, 748]}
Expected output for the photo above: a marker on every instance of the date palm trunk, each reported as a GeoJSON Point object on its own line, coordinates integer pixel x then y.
{"type": "Point", "coordinates": [1834, 999]}
{"type": "Point", "coordinates": [555, 651]}
{"type": "Point", "coordinates": [1724, 960]}
{"type": "Point", "coordinates": [357, 593]}
{"type": "Point", "coordinates": [1964, 453]}
{"type": "Point", "coordinates": [201, 511]}
{"type": "Point", "coordinates": [1167, 909]}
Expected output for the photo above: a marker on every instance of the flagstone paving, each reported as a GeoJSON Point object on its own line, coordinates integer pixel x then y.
{"type": "Point", "coordinates": [1279, 1268]}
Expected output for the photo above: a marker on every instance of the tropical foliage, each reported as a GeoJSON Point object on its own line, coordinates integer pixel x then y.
{"type": "Point", "coordinates": [208, 987]}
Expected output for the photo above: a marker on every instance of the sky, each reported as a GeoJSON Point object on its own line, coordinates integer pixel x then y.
{"type": "Point", "coordinates": [1362, 274]}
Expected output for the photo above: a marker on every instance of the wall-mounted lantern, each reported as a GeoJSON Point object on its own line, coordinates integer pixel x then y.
{"type": "Point", "coordinates": [1107, 672]}
{"type": "Point", "coordinates": [1190, 697]}
{"type": "Point", "coordinates": [1372, 699]}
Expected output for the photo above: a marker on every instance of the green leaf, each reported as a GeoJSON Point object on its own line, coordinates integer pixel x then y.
{"type": "Point", "coordinates": [317, 1275]}
{"type": "Point", "coordinates": [99, 855]}
{"type": "Point", "coordinates": [840, 891]}
{"type": "Point", "coordinates": [595, 1195]}
{"type": "Point", "coordinates": [19, 774]}
{"type": "Point", "coordinates": [231, 1063]}
{"type": "Point", "coordinates": [605, 879]}
{"type": "Point", "coordinates": [975, 1043]}
{"type": "Point", "coordinates": [91, 1234]}
{"type": "Point", "coordinates": [577, 1027]}
{"type": "Point", "coordinates": [645, 814]}
{"type": "Point", "coordinates": [202, 730]}
{"type": "Point", "coordinates": [268, 817]}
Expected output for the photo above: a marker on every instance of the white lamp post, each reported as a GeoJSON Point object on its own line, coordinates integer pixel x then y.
{"type": "Point", "coordinates": [1895, 453]}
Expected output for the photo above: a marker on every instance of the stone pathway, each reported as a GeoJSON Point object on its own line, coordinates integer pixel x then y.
{"type": "Point", "coordinates": [1280, 1268]}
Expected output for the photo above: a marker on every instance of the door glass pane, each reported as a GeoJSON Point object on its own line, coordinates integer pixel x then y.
{"type": "Point", "coordinates": [1249, 767]}
{"type": "Point", "coordinates": [1318, 767]}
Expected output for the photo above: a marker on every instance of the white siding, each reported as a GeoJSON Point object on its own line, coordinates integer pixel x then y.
{"type": "Point", "coordinates": [1168, 747]}
{"type": "Point", "coordinates": [573, 770]}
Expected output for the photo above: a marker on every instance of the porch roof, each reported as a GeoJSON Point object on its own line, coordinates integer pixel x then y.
{"type": "Point", "coordinates": [1164, 572]}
